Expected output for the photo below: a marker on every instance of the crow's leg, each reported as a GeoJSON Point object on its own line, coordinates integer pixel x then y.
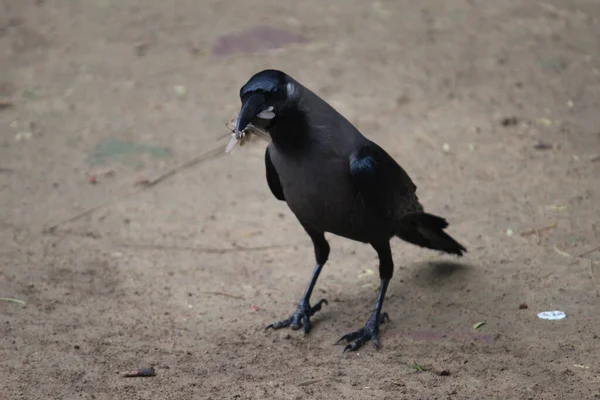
{"type": "Point", "coordinates": [371, 329]}
{"type": "Point", "coordinates": [304, 311]}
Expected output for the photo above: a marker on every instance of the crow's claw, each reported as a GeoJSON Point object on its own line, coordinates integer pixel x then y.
{"type": "Point", "coordinates": [363, 335]}
{"type": "Point", "coordinates": [300, 318]}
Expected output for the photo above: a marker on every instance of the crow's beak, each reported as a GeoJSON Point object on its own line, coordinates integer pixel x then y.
{"type": "Point", "coordinates": [253, 105]}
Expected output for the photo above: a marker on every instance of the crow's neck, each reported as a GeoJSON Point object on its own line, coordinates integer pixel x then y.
{"type": "Point", "coordinates": [290, 132]}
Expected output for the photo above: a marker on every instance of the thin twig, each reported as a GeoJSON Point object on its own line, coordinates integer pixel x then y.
{"type": "Point", "coordinates": [585, 253]}
{"type": "Point", "coordinates": [538, 230]}
{"type": "Point", "coordinates": [52, 228]}
{"type": "Point", "coordinates": [309, 382]}
{"type": "Point", "coordinates": [562, 253]}
{"type": "Point", "coordinates": [10, 300]}
{"type": "Point", "coordinates": [204, 157]}
{"type": "Point", "coordinates": [226, 295]}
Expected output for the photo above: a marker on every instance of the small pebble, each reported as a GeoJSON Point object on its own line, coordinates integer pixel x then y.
{"type": "Point", "coordinates": [542, 146]}
{"type": "Point", "coordinates": [180, 90]}
{"type": "Point", "coordinates": [509, 121]}
{"type": "Point", "coordinates": [141, 49]}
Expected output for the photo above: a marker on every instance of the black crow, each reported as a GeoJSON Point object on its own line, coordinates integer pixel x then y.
{"type": "Point", "coordinates": [335, 180]}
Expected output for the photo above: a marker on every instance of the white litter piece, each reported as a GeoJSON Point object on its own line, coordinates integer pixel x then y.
{"type": "Point", "coordinates": [552, 315]}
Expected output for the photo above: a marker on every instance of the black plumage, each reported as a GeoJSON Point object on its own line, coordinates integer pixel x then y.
{"type": "Point", "coordinates": [336, 180]}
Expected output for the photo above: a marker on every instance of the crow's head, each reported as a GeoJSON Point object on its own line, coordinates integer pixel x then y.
{"type": "Point", "coordinates": [266, 96]}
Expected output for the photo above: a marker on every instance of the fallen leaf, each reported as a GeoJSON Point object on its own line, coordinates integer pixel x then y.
{"type": "Point", "coordinates": [479, 325]}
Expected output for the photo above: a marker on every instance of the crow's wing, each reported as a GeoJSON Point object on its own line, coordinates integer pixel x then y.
{"type": "Point", "coordinates": [384, 186]}
{"type": "Point", "coordinates": [273, 177]}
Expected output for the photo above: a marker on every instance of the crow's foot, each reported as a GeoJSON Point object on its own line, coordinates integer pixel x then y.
{"type": "Point", "coordinates": [370, 331]}
{"type": "Point", "coordinates": [300, 318]}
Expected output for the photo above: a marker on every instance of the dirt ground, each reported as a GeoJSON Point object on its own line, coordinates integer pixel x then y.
{"type": "Point", "coordinates": [492, 108]}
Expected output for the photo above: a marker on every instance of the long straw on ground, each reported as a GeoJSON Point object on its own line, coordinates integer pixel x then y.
{"type": "Point", "coordinates": [148, 184]}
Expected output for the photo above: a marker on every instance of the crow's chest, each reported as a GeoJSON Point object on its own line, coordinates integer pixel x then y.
{"type": "Point", "coordinates": [317, 189]}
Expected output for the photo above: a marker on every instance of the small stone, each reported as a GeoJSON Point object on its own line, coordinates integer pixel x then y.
{"type": "Point", "coordinates": [180, 90]}
{"type": "Point", "coordinates": [439, 370]}
{"type": "Point", "coordinates": [509, 121]}
{"type": "Point", "coordinates": [523, 306]}
{"type": "Point", "coordinates": [141, 49]}
{"type": "Point", "coordinates": [542, 146]}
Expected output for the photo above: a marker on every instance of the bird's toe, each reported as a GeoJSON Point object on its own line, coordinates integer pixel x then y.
{"type": "Point", "coordinates": [375, 340]}
{"type": "Point", "coordinates": [318, 305]}
{"type": "Point", "coordinates": [370, 331]}
{"type": "Point", "coordinates": [306, 325]}
{"type": "Point", "coordinates": [279, 324]}
{"type": "Point", "coordinates": [301, 317]}
{"type": "Point", "coordinates": [349, 337]}
{"type": "Point", "coordinates": [384, 317]}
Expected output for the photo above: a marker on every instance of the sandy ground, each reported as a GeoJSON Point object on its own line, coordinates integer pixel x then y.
{"type": "Point", "coordinates": [492, 107]}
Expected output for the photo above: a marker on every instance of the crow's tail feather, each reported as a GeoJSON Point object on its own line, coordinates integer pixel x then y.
{"type": "Point", "coordinates": [427, 230]}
